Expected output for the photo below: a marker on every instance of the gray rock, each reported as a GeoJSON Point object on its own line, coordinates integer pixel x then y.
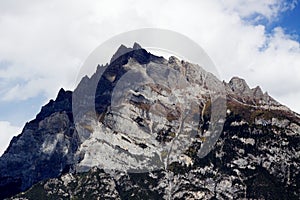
{"type": "Point", "coordinates": [145, 139]}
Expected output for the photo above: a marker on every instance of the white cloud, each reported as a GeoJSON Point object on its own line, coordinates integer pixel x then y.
{"type": "Point", "coordinates": [268, 9]}
{"type": "Point", "coordinates": [7, 131]}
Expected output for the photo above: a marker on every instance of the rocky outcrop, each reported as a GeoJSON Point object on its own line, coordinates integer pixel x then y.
{"type": "Point", "coordinates": [239, 87]}
{"type": "Point", "coordinates": [238, 90]}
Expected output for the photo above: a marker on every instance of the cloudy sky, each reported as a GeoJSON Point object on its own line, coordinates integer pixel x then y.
{"type": "Point", "coordinates": [44, 43]}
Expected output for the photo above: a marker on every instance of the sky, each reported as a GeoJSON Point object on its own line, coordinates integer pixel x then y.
{"type": "Point", "coordinates": [44, 43]}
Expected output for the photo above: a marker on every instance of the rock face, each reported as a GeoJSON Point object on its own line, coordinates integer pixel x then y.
{"type": "Point", "coordinates": [43, 150]}
{"type": "Point", "coordinates": [144, 127]}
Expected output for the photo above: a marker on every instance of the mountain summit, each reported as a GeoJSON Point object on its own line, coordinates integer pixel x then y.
{"type": "Point", "coordinates": [146, 127]}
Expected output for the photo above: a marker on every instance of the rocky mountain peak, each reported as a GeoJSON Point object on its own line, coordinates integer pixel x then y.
{"type": "Point", "coordinates": [239, 86]}
{"type": "Point", "coordinates": [62, 94]}
{"type": "Point", "coordinates": [156, 128]}
{"type": "Point", "coordinates": [257, 92]}
{"type": "Point", "coordinates": [136, 46]}
{"type": "Point", "coordinates": [123, 50]}
{"type": "Point", "coordinates": [238, 89]}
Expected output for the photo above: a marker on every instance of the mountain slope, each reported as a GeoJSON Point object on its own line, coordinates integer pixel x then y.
{"type": "Point", "coordinates": [147, 134]}
{"type": "Point", "coordinates": [249, 161]}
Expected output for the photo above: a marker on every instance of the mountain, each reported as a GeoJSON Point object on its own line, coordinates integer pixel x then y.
{"type": "Point", "coordinates": [146, 127]}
